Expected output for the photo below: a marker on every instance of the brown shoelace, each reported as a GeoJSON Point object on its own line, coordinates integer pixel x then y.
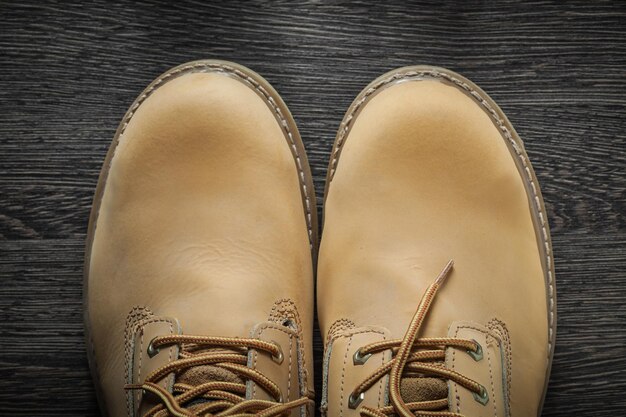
{"type": "Point", "coordinates": [414, 357]}
{"type": "Point", "coordinates": [220, 398]}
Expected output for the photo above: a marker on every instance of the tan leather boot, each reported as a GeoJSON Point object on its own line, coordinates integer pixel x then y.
{"type": "Point", "coordinates": [199, 282]}
{"type": "Point", "coordinates": [427, 169]}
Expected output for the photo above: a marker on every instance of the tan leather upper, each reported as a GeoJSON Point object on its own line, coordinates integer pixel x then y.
{"type": "Point", "coordinates": [202, 221]}
{"type": "Point", "coordinates": [425, 175]}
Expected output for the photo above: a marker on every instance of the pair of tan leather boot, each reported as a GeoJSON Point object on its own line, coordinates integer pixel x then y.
{"type": "Point", "coordinates": [200, 261]}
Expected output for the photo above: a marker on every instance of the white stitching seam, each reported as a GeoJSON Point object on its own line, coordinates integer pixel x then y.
{"type": "Point", "coordinates": [382, 380]}
{"type": "Point", "coordinates": [290, 363]}
{"type": "Point", "coordinates": [138, 393]}
{"type": "Point", "coordinates": [343, 374]}
{"type": "Point", "coordinates": [346, 125]}
{"type": "Point", "coordinates": [493, 390]}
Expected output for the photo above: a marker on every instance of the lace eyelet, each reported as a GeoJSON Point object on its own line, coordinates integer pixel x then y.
{"type": "Point", "coordinates": [152, 351]}
{"type": "Point", "coordinates": [482, 396]}
{"type": "Point", "coordinates": [360, 359]}
{"type": "Point", "coordinates": [279, 357]}
{"type": "Point", "coordinates": [355, 400]}
{"type": "Point", "coordinates": [478, 354]}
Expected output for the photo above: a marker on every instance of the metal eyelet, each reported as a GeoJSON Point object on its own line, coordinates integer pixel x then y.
{"type": "Point", "coordinates": [280, 357]}
{"type": "Point", "coordinates": [152, 351]}
{"type": "Point", "coordinates": [360, 359]}
{"type": "Point", "coordinates": [482, 396]}
{"type": "Point", "coordinates": [354, 401]}
{"type": "Point", "coordinates": [478, 354]}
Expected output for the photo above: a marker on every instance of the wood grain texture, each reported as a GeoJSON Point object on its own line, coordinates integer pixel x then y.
{"type": "Point", "coordinates": [69, 71]}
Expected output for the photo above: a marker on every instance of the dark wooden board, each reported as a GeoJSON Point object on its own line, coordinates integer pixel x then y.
{"type": "Point", "coordinates": [68, 72]}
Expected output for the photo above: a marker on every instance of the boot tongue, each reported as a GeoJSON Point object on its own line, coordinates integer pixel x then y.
{"type": "Point", "coordinates": [423, 389]}
{"type": "Point", "coordinates": [202, 374]}
{"type": "Point", "coordinates": [207, 373]}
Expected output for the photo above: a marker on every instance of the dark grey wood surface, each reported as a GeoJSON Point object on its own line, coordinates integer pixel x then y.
{"type": "Point", "coordinates": [69, 71]}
